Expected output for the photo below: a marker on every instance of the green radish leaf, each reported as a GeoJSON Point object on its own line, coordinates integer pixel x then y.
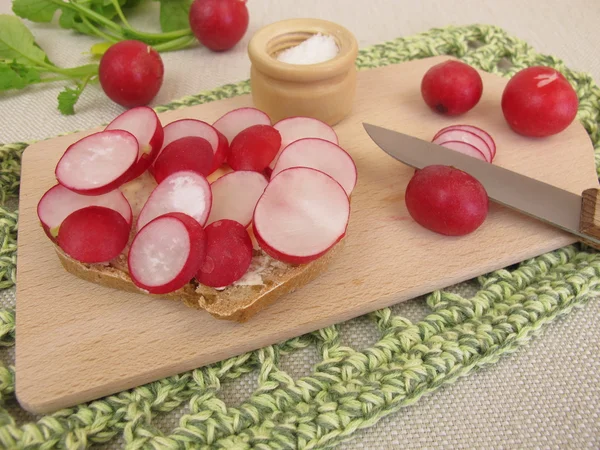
{"type": "Point", "coordinates": [174, 14]}
{"type": "Point", "coordinates": [16, 76]}
{"type": "Point", "coordinates": [100, 48]}
{"type": "Point", "coordinates": [17, 42]}
{"type": "Point", "coordinates": [35, 10]}
{"type": "Point", "coordinates": [67, 99]}
{"type": "Point", "coordinates": [71, 20]}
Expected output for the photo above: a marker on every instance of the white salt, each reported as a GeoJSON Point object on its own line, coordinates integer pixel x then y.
{"type": "Point", "coordinates": [316, 49]}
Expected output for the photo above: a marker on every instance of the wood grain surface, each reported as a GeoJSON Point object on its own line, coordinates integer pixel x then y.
{"type": "Point", "coordinates": [77, 341]}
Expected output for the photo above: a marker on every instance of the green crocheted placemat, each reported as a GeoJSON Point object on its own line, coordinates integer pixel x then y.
{"type": "Point", "coordinates": [349, 389]}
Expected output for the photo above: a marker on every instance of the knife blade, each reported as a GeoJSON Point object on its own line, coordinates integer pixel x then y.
{"type": "Point", "coordinates": [550, 204]}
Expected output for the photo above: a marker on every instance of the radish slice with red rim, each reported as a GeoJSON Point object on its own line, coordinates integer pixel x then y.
{"type": "Point", "coordinates": [221, 154]}
{"type": "Point", "coordinates": [58, 202]}
{"type": "Point", "coordinates": [166, 253]}
{"type": "Point", "coordinates": [321, 155]}
{"type": "Point", "coordinates": [478, 131]}
{"type": "Point", "coordinates": [254, 148]}
{"type": "Point", "coordinates": [185, 192]}
{"type": "Point", "coordinates": [191, 127]}
{"type": "Point", "coordinates": [301, 215]}
{"type": "Point", "coordinates": [465, 136]}
{"type": "Point", "coordinates": [233, 122]}
{"type": "Point", "coordinates": [98, 163]}
{"type": "Point", "coordinates": [93, 234]}
{"type": "Point", "coordinates": [234, 196]}
{"type": "Point", "coordinates": [188, 153]}
{"type": "Point", "coordinates": [294, 128]}
{"type": "Point", "coordinates": [464, 148]}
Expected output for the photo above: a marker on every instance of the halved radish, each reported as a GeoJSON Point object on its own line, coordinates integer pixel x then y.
{"type": "Point", "coordinates": [239, 119]}
{"type": "Point", "coordinates": [93, 234]}
{"type": "Point", "coordinates": [294, 128]}
{"type": "Point", "coordinates": [222, 152]}
{"type": "Point", "coordinates": [145, 125]}
{"type": "Point", "coordinates": [465, 136]}
{"type": "Point", "coordinates": [58, 202]}
{"type": "Point", "coordinates": [464, 148]}
{"type": "Point", "coordinates": [234, 196]}
{"type": "Point", "coordinates": [188, 153]}
{"type": "Point", "coordinates": [301, 215]}
{"type": "Point", "coordinates": [254, 148]}
{"type": "Point", "coordinates": [184, 191]}
{"type": "Point", "coordinates": [476, 130]}
{"type": "Point", "coordinates": [98, 163]}
{"type": "Point", "coordinates": [228, 254]}
{"type": "Point", "coordinates": [321, 155]}
{"type": "Point", "coordinates": [166, 253]}
{"type": "Point", "coordinates": [191, 127]}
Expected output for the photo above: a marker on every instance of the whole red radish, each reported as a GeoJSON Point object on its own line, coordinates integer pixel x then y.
{"type": "Point", "coordinates": [446, 200]}
{"type": "Point", "coordinates": [538, 102]}
{"type": "Point", "coordinates": [228, 254]}
{"type": "Point", "coordinates": [451, 88]}
{"type": "Point", "coordinates": [188, 153]}
{"type": "Point", "coordinates": [94, 234]}
{"type": "Point", "coordinates": [219, 24]}
{"type": "Point", "coordinates": [254, 148]}
{"type": "Point", "coordinates": [131, 73]}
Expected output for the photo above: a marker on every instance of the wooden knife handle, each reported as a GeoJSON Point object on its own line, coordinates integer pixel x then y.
{"type": "Point", "coordinates": [589, 222]}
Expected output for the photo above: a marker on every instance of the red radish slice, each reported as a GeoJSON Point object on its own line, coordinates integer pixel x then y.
{"type": "Point", "coordinates": [188, 153]}
{"type": "Point", "coordinates": [239, 119]}
{"type": "Point", "coordinates": [185, 192]}
{"type": "Point", "coordinates": [254, 148]}
{"type": "Point", "coordinates": [478, 131]}
{"type": "Point", "coordinates": [58, 202]}
{"type": "Point", "coordinates": [221, 153]}
{"type": "Point", "coordinates": [228, 254]}
{"type": "Point", "coordinates": [235, 196]}
{"type": "Point", "coordinates": [463, 147]}
{"type": "Point", "coordinates": [191, 127]}
{"type": "Point", "coordinates": [321, 155]}
{"type": "Point", "coordinates": [465, 136]}
{"type": "Point", "coordinates": [294, 128]}
{"type": "Point", "coordinates": [98, 163]}
{"type": "Point", "coordinates": [93, 234]}
{"type": "Point", "coordinates": [301, 215]}
{"type": "Point", "coordinates": [145, 125]}
{"type": "Point", "coordinates": [166, 254]}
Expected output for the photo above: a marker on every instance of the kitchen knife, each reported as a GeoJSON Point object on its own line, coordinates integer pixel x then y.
{"type": "Point", "coordinates": [574, 213]}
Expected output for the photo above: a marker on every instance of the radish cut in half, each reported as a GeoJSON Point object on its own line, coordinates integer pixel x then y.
{"type": "Point", "coordinates": [465, 136]}
{"type": "Point", "coordinates": [191, 127]}
{"type": "Point", "coordinates": [94, 234]}
{"type": "Point", "coordinates": [58, 202]}
{"type": "Point", "coordinates": [166, 253]}
{"type": "Point", "coordinates": [294, 128]}
{"type": "Point", "coordinates": [234, 196]}
{"type": "Point", "coordinates": [463, 147]}
{"type": "Point", "coordinates": [321, 155]}
{"type": "Point", "coordinates": [475, 130]}
{"type": "Point", "coordinates": [98, 163]}
{"type": "Point", "coordinates": [145, 125]}
{"type": "Point", "coordinates": [185, 192]}
{"type": "Point", "coordinates": [188, 153]}
{"type": "Point", "coordinates": [301, 215]}
{"type": "Point", "coordinates": [239, 119]}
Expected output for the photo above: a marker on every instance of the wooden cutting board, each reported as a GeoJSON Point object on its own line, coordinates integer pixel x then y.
{"type": "Point", "coordinates": [77, 341]}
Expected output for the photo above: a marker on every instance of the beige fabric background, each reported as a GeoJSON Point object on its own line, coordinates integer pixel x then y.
{"type": "Point", "coordinates": [545, 396]}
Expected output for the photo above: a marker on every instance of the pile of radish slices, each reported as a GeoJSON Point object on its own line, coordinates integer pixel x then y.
{"type": "Point", "coordinates": [286, 185]}
{"type": "Point", "coordinates": [467, 139]}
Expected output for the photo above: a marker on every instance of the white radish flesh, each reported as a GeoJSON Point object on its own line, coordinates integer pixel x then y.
{"type": "Point", "coordinates": [294, 128]}
{"type": "Point", "coordinates": [145, 125]}
{"type": "Point", "coordinates": [234, 196]}
{"type": "Point", "coordinates": [476, 130]}
{"type": "Point", "coordinates": [301, 215]}
{"type": "Point", "coordinates": [464, 148]}
{"type": "Point", "coordinates": [185, 191]}
{"type": "Point", "coordinates": [239, 119]}
{"type": "Point", "coordinates": [191, 127]}
{"type": "Point", "coordinates": [465, 136]}
{"type": "Point", "coordinates": [98, 163]}
{"type": "Point", "coordinates": [321, 155]}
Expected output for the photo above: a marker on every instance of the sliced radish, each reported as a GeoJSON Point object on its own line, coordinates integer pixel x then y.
{"type": "Point", "coordinates": [93, 234]}
{"type": "Point", "coordinates": [188, 153]}
{"type": "Point", "coordinates": [191, 127]}
{"type": "Point", "coordinates": [98, 163]}
{"type": "Point", "coordinates": [145, 125]}
{"type": "Point", "coordinates": [464, 148]}
{"type": "Point", "coordinates": [321, 155]}
{"type": "Point", "coordinates": [234, 196]}
{"type": "Point", "coordinates": [221, 154]}
{"type": "Point", "coordinates": [302, 214]}
{"type": "Point", "coordinates": [228, 254]}
{"type": "Point", "coordinates": [294, 128]}
{"type": "Point", "coordinates": [465, 136]}
{"type": "Point", "coordinates": [478, 131]}
{"type": "Point", "coordinates": [58, 202]}
{"type": "Point", "coordinates": [184, 191]}
{"type": "Point", "coordinates": [254, 148]}
{"type": "Point", "coordinates": [239, 119]}
{"type": "Point", "coordinates": [166, 253]}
